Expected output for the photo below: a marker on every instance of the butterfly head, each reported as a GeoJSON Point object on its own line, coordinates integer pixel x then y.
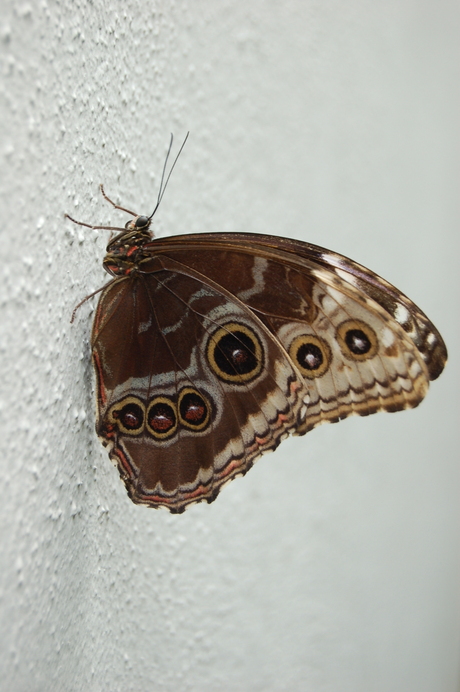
{"type": "Point", "coordinates": [135, 235]}
{"type": "Point", "coordinates": [140, 224]}
{"type": "Point", "coordinates": [142, 221]}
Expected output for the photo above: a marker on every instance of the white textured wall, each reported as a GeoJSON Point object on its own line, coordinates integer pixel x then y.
{"type": "Point", "coordinates": [333, 566]}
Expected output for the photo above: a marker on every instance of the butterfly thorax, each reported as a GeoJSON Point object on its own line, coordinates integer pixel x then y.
{"type": "Point", "coordinates": [126, 250]}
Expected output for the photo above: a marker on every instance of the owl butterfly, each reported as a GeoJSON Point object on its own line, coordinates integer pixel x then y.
{"type": "Point", "coordinates": [211, 348]}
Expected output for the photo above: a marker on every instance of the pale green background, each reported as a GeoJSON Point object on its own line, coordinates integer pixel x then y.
{"type": "Point", "coordinates": [333, 566]}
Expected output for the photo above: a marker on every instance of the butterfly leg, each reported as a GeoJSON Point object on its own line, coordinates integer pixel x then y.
{"type": "Point", "coordinates": [74, 311]}
{"type": "Point", "coordinates": [95, 228]}
{"type": "Point", "coordinates": [115, 206]}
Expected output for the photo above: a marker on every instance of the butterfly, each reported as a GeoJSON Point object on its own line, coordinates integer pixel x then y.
{"type": "Point", "coordinates": [209, 349]}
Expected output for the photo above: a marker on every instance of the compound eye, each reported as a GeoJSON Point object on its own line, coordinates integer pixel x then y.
{"type": "Point", "coordinates": [142, 221]}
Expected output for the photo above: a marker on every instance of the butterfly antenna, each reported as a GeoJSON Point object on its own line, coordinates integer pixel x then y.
{"type": "Point", "coordinates": [163, 187]}
{"type": "Point", "coordinates": [164, 167]}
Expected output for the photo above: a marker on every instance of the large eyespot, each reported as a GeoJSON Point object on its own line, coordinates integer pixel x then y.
{"type": "Point", "coordinates": [161, 419]}
{"type": "Point", "coordinates": [311, 354]}
{"type": "Point", "coordinates": [194, 409]}
{"type": "Point", "coordinates": [235, 353]}
{"type": "Point", "coordinates": [128, 415]}
{"type": "Point", "coordinates": [357, 340]}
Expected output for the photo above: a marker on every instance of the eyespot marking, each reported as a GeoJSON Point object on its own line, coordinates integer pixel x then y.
{"type": "Point", "coordinates": [128, 415]}
{"type": "Point", "coordinates": [161, 419]}
{"type": "Point", "coordinates": [357, 340]}
{"type": "Point", "coordinates": [311, 354]}
{"type": "Point", "coordinates": [194, 409]}
{"type": "Point", "coordinates": [235, 353]}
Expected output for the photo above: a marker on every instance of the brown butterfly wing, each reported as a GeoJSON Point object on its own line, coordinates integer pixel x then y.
{"type": "Point", "coordinates": [208, 356]}
{"type": "Point", "coordinates": [312, 257]}
{"type": "Point", "coordinates": [191, 385]}
{"type": "Point", "coordinates": [317, 303]}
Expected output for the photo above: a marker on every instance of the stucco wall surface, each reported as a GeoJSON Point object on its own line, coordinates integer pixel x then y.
{"type": "Point", "coordinates": [333, 565]}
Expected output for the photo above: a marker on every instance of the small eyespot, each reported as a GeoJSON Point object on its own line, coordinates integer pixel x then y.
{"type": "Point", "coordinates": [357, 340]}
{"type": "Point", "coordinates": [194, 409]}
{"type": "Point", "coordinates": [141, 221]}
{"type": "Point", "coordinates": [128, 415]}
{"type": "Point", "coordinates": [161, 419]}
{"type": "Point", "coordinates": [311, 354]}
{"type": "Point", "coordinates": [235, 353]}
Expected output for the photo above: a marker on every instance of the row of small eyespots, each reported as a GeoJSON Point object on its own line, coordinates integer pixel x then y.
{"type": "Point", "coordinates": [236, 356]}
{"type": "Point", "coordinates": [313, 355]}
{"type": "Point", "coordinates": [162, 416]}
